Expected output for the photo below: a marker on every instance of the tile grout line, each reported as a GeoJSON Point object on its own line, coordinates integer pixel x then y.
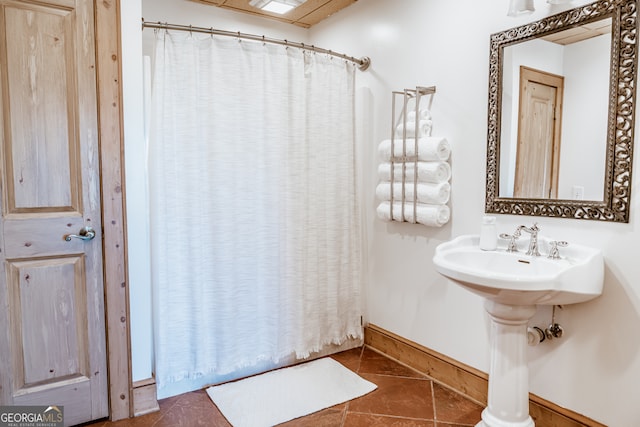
{"type": "Point", "coordinates": [422, 377]}
{"type": "Point", "coordinates": [344, 415]}
{"type": "Point", "coordinates": [404, 377]}
{"type": "Point", "coordinates": [397, 417]}
{"type": "Point", "coordinates": [163, 412]}
{"type": "Point", "coordinates": [427, 376]}
{"type": "Point", "coordinates": [433, 402]}
{"type": "Point", "coordinates": [357, 371]}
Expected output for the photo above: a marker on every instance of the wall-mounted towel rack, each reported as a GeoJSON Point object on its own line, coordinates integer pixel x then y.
{"type": "Point", "coordinates": [416, 188]}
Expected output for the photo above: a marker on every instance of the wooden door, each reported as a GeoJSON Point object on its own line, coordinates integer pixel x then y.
{"type": "Point", "coordinates": [539, 126]}
{"type": "Point", "coordinates": [52, 325]}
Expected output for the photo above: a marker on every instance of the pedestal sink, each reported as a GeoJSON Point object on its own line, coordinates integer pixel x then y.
{"type": "Point", "coordinates": [512, 284]}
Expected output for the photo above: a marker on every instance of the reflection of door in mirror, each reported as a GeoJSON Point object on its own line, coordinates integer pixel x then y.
{"type": "Point", "coordinates": [539, 129]}
{"type": "Point", "coordinates": [584, 64]}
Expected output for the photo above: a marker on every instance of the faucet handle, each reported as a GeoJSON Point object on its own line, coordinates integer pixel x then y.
{"type": "Point", "coordinates": [554, 253]}
{"type": "Point", "coordinates": [511, 247]}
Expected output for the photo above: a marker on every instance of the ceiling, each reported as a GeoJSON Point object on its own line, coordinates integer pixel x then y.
{"type": "Point", "coordinates": [307, 14]}
{"type": "Point", "coordinates": [581, 33]}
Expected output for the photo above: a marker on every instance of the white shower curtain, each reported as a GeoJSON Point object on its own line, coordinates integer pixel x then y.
{"type": "Point", "coordinates": [256, 239]}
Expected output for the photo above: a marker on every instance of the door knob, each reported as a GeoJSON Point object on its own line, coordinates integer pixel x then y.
{"type": "Point", "coordinates": [86, 233]}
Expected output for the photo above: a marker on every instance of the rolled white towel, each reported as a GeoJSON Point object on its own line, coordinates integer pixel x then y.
{"type": "Point", "coordinates": [426, 193]}
{"type": "Point", "coordinates": [430, 215]}
{"type": "Point", "coordinates": [424, 114]}
{"type": "Point", "coordinates": [424, 128]}
{"type": "Point", "coordinates": [434, 172]}
{"type": "Point", "coordinates": [430, 149]}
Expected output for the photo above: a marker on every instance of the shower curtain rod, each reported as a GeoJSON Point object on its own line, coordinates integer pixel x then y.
{"type": "Point", "coordinates": [363, 63]}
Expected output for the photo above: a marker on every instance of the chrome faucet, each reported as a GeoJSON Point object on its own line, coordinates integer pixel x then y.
{"type": "Point", "coordinates": [533, 241]}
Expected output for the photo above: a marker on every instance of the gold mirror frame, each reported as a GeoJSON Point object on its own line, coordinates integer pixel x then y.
{"type": "Point", "coordinates": [620, 122]}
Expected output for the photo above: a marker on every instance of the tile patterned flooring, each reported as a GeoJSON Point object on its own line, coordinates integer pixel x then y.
{"type": "Point", "coordinates": [404, 398]}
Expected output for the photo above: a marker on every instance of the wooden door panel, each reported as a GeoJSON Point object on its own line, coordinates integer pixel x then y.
{"type": "Point", "coordinates": [539, 129]}
{"type": "Point", "coordinates": [535, 147]}
{"type": "Point", "coordinates": [41, 143]}
{"type": "Point", "coordinates": [48, 313]}
{"type": "Point", "coordinates": [75, 395]}
{"type": "Point", "coordinates": [52, 334]}
{"type": "Point", "coordinates": [38, 237]}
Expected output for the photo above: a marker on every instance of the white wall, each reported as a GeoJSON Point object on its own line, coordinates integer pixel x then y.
{"type": "Point", "coordinates": [136, 194]}
{"type": "Point", "coordinates": [584, 121]}
{"type": "Point", "coordinates": [593, 369]}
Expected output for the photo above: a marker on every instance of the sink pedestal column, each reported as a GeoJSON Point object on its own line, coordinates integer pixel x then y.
{"type": "Point", "coordinates": [508, 398]}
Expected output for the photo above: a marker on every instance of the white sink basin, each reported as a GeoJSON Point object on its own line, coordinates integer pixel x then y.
{"type": "Point", "coordinates": [514, 278]}
{"type": "Point", "coordinates": [512, 284]}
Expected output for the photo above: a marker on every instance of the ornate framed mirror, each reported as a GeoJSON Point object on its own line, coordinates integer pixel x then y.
{"type": "Point", "coordinates": [562, 113]}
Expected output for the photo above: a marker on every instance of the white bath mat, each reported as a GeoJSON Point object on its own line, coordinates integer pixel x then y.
{"type": "Point", "coordinates": [282, 395]}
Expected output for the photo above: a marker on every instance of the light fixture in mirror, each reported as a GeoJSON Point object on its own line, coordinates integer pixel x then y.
{"type": "Point", "coordinates": [520, 7]}
{"type": "Point", "coordinates": [582, 125]}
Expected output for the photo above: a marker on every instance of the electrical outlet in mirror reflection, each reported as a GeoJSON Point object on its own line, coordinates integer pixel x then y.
{"type": "Point", "coordinates": [577, 192]}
